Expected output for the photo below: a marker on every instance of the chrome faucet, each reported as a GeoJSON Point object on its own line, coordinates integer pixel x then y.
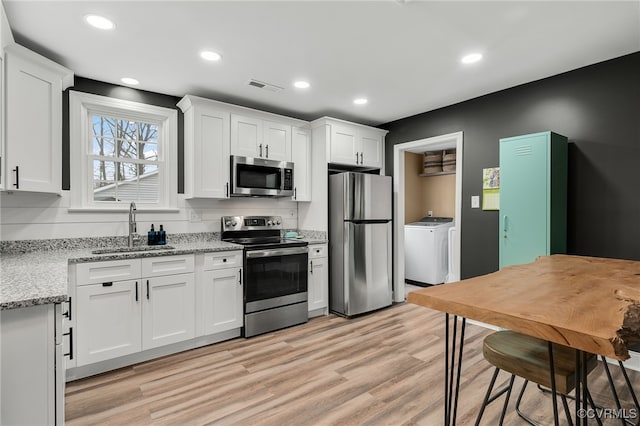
{"type": "Point", "coordinates": [133, 228]}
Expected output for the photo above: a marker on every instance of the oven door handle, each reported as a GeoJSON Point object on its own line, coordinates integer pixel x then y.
{"type": "Point", "coordinates": [276, 252]}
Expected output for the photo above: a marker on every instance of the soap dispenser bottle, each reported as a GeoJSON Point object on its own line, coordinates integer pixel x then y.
{"type": "Point", "coordinates": [162, 236]}
{"type": "Point", "coordinates": [151, 237]}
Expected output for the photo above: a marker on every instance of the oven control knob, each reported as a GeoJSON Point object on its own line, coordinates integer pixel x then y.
{"type": "Point", "coordinates": [278, 222]}
{"type": "Point", "coordinates": [234, 223]}
{"type": "Point", "coordinates": [269, 223]}
{"type": "Point", "coordinates": [227, 223]}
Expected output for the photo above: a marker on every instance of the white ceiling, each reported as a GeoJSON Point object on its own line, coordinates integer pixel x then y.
{"type": "Point", "coordinates": [404, 56]}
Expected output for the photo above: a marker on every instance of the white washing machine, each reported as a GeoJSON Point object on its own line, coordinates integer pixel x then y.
{"type": "Point", "coordinates": [426, 250]}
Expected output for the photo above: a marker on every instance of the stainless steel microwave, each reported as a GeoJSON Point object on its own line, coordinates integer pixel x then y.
{"type": "Point", "coordinates": [260, 177]}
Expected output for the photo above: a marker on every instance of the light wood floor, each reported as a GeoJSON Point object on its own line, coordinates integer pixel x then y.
{"type": "Point", "coordinates": [384, 368]}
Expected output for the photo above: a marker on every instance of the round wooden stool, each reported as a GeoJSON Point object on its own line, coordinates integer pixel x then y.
{"type": "Point", "coordinates": [528, 357]}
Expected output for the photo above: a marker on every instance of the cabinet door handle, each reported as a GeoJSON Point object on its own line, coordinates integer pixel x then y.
{"type": "Point", "coordinates": [260, 150]}
{"type": "Point", "coordinates": [239, 276]}
{"type": "Point", "coordinates": [68, 313]}
{"type": "Point", "coordinates": [147, 289]}
{"type": "Point", "coordinates": [70, 334]}
{"type": "Point", "coordinates": [295, 193]}
{"type": "Point", "coordinates": [136, 291]}
{"type": "Point", "coordinates": [361, 160]}
{"type": "Point", "coordinates": [107, 284]}
{"type": "Point", "coordinates": [267, 150]}
{"type": "Point", "coordinates": [226, 191]}
{"type": "Point", "coordinates": [17, 182]}
{"type": "Point", "coordinates": [356, 158]}
{"type": "Point", "coordinates": [311, 263]}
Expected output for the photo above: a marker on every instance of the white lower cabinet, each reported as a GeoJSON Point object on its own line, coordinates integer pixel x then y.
{"type": "Point", "coordinates": [318, 280]}
{"type": "Point", "coordinates": [119, 318]}
{"type": "Point", "coordinates": [129, 310]}
{"type": "Point", "coordinates": [32, 385]}
{"type": "Point", "coordinates": [221, 304]}
{"type": "Point", "coordinates": [168, 314]}
{"type": "Point", "coordinates": [222, 300]}
{"type": "Point", "coordinates": [108, 321]}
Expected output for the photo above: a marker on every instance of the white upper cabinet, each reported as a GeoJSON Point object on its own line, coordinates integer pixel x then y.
{"type": "Point", "coordinates": [213, 131]}
{"type": "Point", "coordinates": [301, 156]}
{"type": "Point", "coordinates": [277, 141]}
{"type": "Point", "coordinates": [353, 144]}
{"type": "Point", "coordinates": [344, 144]}
{"type": "Point", "coordinates": [246, 136]}
{"type": "Point", "coordinates": [206, 148]}
{"type": "Point", "coordinates": [371, 147]}
{"type": "Point", "coordinates": [5, 38]}
{"type": "Point", "coordinates": [33, 145]}
{"type": "Point", "coordinates": [253, 137]}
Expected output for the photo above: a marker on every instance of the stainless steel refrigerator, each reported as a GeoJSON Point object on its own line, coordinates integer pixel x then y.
{"type": "Point", "coordinates": [360, 240]}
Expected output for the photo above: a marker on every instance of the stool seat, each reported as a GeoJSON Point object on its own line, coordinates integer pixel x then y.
{"type": "Point", "coordinates": [528, 357]}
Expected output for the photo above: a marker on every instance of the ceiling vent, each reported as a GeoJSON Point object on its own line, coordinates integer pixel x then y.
{"type": "Point", "coordinates": [265, 86]}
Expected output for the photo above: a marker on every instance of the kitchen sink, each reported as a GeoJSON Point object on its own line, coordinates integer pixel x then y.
{"type": "Point", "coordinates": [131, 249]}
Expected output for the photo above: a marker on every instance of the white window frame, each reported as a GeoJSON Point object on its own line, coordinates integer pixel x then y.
{"type": "Point", "coordinates": [81, 107]}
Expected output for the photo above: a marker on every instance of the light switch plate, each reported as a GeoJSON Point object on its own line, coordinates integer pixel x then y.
{"type": "Point", "coordinates": [475, 201]}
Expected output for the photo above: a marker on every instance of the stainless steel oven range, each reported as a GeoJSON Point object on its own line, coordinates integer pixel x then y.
{"type": "Point", "coordinates": [275, 273]}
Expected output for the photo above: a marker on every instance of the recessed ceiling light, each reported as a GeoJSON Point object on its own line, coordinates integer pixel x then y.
{"type": "Point", "coordinates": [100, 22]}
{"type": "Point", "coordinates": [302, 84]}
{"type": "Point", "coordinates": [360, 101]}
{"type": "Point", "coordinates": [210, 55]}
{"type": "Point", "coordinates": [130, 81]}
{"type": "Point", "coordinates": [471, 58]}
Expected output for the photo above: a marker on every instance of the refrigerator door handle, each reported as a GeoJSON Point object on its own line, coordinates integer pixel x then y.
{"type": "Point", "coordinates": [366, 221]}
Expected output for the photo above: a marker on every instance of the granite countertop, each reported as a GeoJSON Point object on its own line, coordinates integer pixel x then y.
{"type": "Point", "coordinates": [35, 272]}
{"type": "Point", "coordinates": [40, 277]}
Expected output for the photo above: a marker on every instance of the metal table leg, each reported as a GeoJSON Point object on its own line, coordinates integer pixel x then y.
{"type": "Point", "coordinates": [452, 366]}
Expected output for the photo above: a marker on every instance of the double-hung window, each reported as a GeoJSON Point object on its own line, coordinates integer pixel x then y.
{"type": "Point", "coordinates": [121, 151]}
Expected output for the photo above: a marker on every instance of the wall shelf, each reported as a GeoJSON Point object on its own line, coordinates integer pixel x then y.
{"type": "Point", "coordinates": [437, 174]}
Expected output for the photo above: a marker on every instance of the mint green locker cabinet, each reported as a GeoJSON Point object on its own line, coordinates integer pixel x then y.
{"type": "Point", "coordinates": [533, 197]}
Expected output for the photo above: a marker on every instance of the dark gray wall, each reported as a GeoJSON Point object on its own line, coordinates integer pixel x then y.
{"type": "Point", "coordinates": [119, 92]}
{"type": "Point", "coordinates": [598, 109]}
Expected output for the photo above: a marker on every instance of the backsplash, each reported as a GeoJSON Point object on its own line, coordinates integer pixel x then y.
{"type": "Point", "coordinates": [313, 235]}
{"type": "Point", "coordinates": [32, 216]}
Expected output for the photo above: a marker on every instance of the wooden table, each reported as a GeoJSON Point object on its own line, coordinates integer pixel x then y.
{"type": "Point", "coordinates": [587, 303]}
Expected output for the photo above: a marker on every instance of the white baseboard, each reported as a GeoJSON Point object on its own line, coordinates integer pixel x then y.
{"type": "Point", "coordinates": [485, 325]}
{"type": "Point", "coordinates": [318, 312]}
{"type": "Point", "coordinates": [632, 363]}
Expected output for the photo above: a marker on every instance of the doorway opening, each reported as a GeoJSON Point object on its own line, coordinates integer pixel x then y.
{"type": "Point", "coordinates": [437, 143]}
